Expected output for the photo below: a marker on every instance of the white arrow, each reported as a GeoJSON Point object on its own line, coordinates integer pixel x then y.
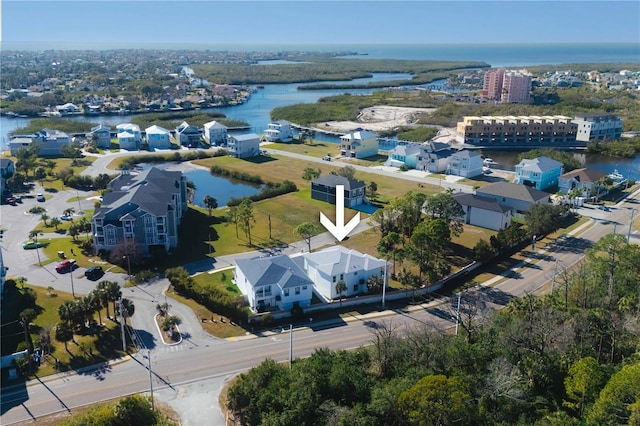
{"type": "Point", "coordinates": [339, 230]}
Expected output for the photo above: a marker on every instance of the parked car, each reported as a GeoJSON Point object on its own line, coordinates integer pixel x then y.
{"type": "Point", "coordinates": [40, 197]}
{"type": "Point", "coordinates": [65, 266]}
{"type": "Point", "coordinates": [94, 273]}
{"type": "Point", "coordinates": [604, 208]}
{"type": "Point", "coordinates": [29, 245]}
{"type": "Point", "coordinates": [326, 158]}
{"type": "Point", "coordinates": [65, 217]}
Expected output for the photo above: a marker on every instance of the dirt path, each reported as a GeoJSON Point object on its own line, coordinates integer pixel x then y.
{"type": "Point", "coordinates": [377, 118]}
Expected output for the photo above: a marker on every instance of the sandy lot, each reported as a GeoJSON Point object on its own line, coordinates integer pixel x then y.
{"type": "Point", "coordinates": [377, 118]}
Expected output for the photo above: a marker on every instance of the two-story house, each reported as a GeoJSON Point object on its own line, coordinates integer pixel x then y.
{"type": "Point", "coordinates": [519, 198]}
{"type": "Point", "coordinates": [101, 136]}
{"type": "Point", "coordinates": [51, 142]}
{"type": "Point", "coordinates": [278, 131]}
{"type": "Point", "coordinates": [273, 283]}
{"type": "Point", "coordinates": [141, 213]}
{"type": "Point", "coordinates": [7, 169]}
{"type": "Point", "coordinates": [129, 136]}
{"type": "Point", "coordinates": [540, 173]}
{"type": "Point", "coordinates": [215, 133]}
{"type": "Point", "coordinates": [243, 146]}
{"type": "Point", "coordinates": [188, 134]}
{"type": "Point", "coordinates": [465, 163]}
{"type": "Point", "coordinates": [485, 212]}
{"type": "Point", "coordinates": [158, 137]}
{"type": "Point", "coordinates": [430, 157]}
{"type": "Point", "coordinates": [325, 268]}
{"type": "Point", "coordinates": [323, 188]}
{"type": "Point", "coordinates": [360, 144]}
{"type": "Point", "coordinates": [587, 181]}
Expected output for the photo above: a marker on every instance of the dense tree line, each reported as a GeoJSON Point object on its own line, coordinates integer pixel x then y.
{"type": "Point", "coordinates": [571, 357]}
{"type": "Point", "coordinates": [209, 296]}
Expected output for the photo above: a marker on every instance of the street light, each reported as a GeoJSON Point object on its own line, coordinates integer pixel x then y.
{"type": "Point", "coordinates": [630, 225]}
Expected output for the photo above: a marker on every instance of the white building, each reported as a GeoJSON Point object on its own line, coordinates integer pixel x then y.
{"type": "Point", "coordinates": [273, 283]}
{"type": "Point", "coordinates": [465, 163]}
{"type": "Point", "coordinates": [244, 146]}
{"type": "Point", "coordinates": [102, 136]}
{"type": "Point", "coordinates": [598, 127]}
{"type": "Point", "coordinates": [326, 267]}
{"type": "Point", "coordinates": [129, 136]}
{"type": "Point", "coordinates": [279, 131]}
{"type": "Point", "coordinates": [215, 133]}
{"type": "Point", "coordinates": [484, 211]}
{"type": "Point", "coordinates": [360, 144]}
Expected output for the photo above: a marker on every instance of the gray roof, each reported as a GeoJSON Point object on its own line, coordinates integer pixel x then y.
{"type": "Point", "coordinates": [247, 137]}
{"type": "Point", "coordinates": [341, 260]}
{"type": "Point", "coordinates": [540, 164]}
{"type": "Point", "coordinates": [514, 191]}
{"type": "Point", "coordinates": [480, 202]}
{"type": "Point", "coordinates": [362, 134]}
{"type": "Point", "coordinates": [280, 270]}
{"type": "Point", "coordinates": [584, 175]}
{"type": "Point", "coordinates": [335, 180]}
{"type": "Point", "coordinates": [150, 191]}
{"type": "Point", "coordinates": [466, 153]}
{"type": "Point", "coordinates": [5, 162]}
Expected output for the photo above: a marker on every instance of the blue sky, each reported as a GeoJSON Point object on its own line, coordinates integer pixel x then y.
{"type": "Point", "coordinates": [319, 22]}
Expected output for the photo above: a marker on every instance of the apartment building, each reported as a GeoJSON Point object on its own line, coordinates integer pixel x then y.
{"type": "Point", "coordinates": [598, 127]}
{"type": "Point", "coordinates": [507, 86]}
{"type": "Point", "coordinates": [520, 131]}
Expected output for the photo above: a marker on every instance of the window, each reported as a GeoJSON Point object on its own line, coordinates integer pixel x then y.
{"type": "Point", "coordinates": [342, 276]}
{"type": "Point", "coordinates": [304, 287]}
{"type": "Point", "coordinates": [286, 292]}
{"type": "Point", "coordinates": [297, 290]}
{"type": "Point", "coordinates": [355, 287]}
{"type": "Point", "coordinates": [334, 278]}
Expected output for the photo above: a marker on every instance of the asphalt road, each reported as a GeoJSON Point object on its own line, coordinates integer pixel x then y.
{"type": "Point", "coordinates": [189, 375]}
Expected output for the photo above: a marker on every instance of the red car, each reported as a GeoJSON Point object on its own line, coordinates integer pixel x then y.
{"type": "Point", "coordinates": [66, 266]}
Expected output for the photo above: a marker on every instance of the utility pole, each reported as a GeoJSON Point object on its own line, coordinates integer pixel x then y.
{"type": "Point", "coordinates": [150, 378]}
{"type": "Point", "coordinates": [630, 225]}
{"type": "Point", "coordinates": [553, 280]}
{"type": "Point", "coordinates": [73, 293]}
{"type": "Point", "coordinates": [458, 312]}
{"type": "Point", "coordinates": [124, 342]}
{"type": "Point", "coordinates": [290, 345]}
{"type": "Point", "coordinates": [384, 282]}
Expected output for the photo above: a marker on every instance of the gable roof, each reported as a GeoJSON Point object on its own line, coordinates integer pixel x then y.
{"type": "Point", "coordinates": [584, 175]}
{"type": "Point", "coordinates": [214, 125]}
{"type": "Point", "coordinates": [335, 180]}
{"type": "Point", "coordinates": [360, 135]}
{"type": "Point", "coordinates": [247, 137]}
{"type": "Point", "coordinates": [540, 164]}
{"type": "Point", "coordinates": [466, 153]}
{"type": "Point", "coordinates": [155, 129]}
{"type": "Point", "coordinates": [514, 191]}
{"type": "Point", "coordinates": [478, 201]}
{"type": "Point", "coordinates": [340, 260]}
{"type": "Point", "coordinates": [149, 191]}
{"type": "Point", "coordinates": [280, 270]}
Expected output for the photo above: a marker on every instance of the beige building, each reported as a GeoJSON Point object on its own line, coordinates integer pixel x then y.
{"type": "Point", "coordinates": [521, 131]}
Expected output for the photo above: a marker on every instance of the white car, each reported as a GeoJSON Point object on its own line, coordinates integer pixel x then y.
{"type": "Point", "coordinates": [39, 197]}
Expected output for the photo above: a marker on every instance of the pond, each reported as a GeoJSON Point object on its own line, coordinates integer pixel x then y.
{"type": "Point", "coordinates": [220, 188]}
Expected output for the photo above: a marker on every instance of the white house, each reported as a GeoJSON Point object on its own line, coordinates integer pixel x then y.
{"type": "Point", "coordinates": [326, 267]}
{"type": "Point", "coordinates": [67, 108]}
{"type": "Point", "coordinates": [518, 197]}
{"type": "Point", "coordinates": [158, 137]}
{"type": "Point", "coordinates": [129, 136]}
{"type": "Point", "coordinates": [18, 143]}
{"type": "Point", "coordinates": [244, 146]}
{"type": "Point", "coordinates": [587, 181]}
{"type": "Point", "coordinates": [430, 157]}
{"type": "Point", "coordinates": [273, 283]}
{"type": "Point", "coordinates": [484, 211]}
{"type": "Point", "coordinates": [465, 163]}
{"type": "Point", "coordinates": [215, 133]}
{"type": "Point", "coordinates": [279, 131]}
{"type": "Point", "coordinates": [360, 144]}
{"type": "Point", "coordinates": [102, 135]}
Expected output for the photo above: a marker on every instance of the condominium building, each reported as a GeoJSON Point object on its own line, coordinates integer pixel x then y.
{"type": "Point", "coordinates": [507, 86]}
{"type": "Point", "coordinates": [516, 87]}
{"type": "Point", "coordinates": [594, 127]}
{"type": "Point", "coordinates": [521, 131]}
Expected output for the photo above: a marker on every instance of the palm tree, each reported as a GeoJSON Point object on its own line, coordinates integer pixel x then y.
{"type": "Point", "coordinates": [341, 287]}
{"type": "Point", "coordinates": [210, 202]}
{"type": "Point", "coordinates": [101, 290]}
{"type": "Point", "coordinates": [63, 333]}
{"type": "Point", "coordinates": [69, 212]}
{"type": "Point", "coordinates": [33, 235]}
{"type": "Point", "coordinates": [95, 300]}
{"type": "Point", "coordinates": [44, 218]}
{"type": "Point", "coordinates": [128, 307]}
{"type": "Point", "coordinates": [163, 308]}
{"type": "Point", "coordinates": [65, 311]}
{"type": "Point", "coordinates": [55, 222]}
{"type": "Point", "coordinates": [113, 293]}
